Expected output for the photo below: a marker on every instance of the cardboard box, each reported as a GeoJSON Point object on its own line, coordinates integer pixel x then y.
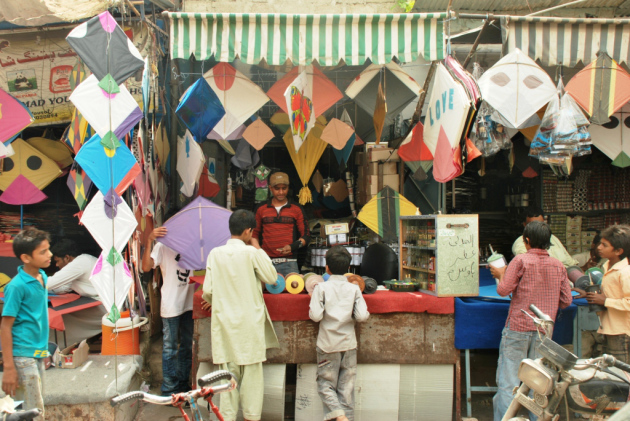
{"type": "Point", "coordinates": [382, 154]}
{"type": "Point", "coordinates": [574, 250]}
{"type": "Point", "coordinates": [71, 357]}
{"type": "Point", "coordinates": [374, 185]}
{"type": "Point", "coordinates": [574, 221]}
{"type": "Point", "coordinates": [360, 159]}
{"type": "Point", "coordinates": [574, 229]}
{"type": "Point", "coordinates": [388, 168]}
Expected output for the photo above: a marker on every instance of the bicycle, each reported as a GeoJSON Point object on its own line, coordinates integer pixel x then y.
{"type": "Point", "coordinates": [179, 399]}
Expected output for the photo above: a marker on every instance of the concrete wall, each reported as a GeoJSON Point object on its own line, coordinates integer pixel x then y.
{"type": "Point", "coordinates": [291, 6]}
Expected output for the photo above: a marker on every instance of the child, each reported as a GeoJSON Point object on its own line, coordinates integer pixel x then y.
{"type": "Point", "coordinates": [24, 329]}
{"type": "Point", "coordinates": [615, 295]}
{"type": "Point", "coordinates": [334, 304]}
{"type": "Point", "coordinates": [532, 278]}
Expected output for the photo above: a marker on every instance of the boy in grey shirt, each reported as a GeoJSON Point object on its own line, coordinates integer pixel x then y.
{"type": "Point", "coordinates": [336, 304]}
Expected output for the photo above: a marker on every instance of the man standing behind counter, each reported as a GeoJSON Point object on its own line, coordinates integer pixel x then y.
{"type": "Point", "coordinates": [556, 250]}
{"type": "Point", "coordinates": [281, 226]}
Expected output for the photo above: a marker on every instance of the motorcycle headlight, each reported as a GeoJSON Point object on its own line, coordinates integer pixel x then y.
{"type": "Point", "coordinates": [536, 377]}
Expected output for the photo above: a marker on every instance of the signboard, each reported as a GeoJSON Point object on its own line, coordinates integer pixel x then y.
{"type": "Point", "coordinates": [35, 67]}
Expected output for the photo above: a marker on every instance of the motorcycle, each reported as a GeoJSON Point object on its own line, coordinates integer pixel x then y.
{"type": "Point", "coordinates": [597, 386]}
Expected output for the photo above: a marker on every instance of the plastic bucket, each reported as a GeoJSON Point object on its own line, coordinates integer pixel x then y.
{"type": "Point", "coordinates": [124, 337]}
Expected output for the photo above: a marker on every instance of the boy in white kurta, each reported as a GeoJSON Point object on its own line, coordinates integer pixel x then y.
{"type": "Point", "coordinates": [241, 330]}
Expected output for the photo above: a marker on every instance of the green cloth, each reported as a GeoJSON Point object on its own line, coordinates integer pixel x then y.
{"type": "Point", "coordinates": [250, 392]}
{"type": "Point", "coordinates": [556, 250]}
{"type": "Point", "coordinates": [241, 329]}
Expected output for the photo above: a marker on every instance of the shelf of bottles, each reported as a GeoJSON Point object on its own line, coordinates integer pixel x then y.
{"type": "Point", "coordinates": [417, 252]}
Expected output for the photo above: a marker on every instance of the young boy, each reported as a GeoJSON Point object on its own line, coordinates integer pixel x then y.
{"type": "Point", "coordinates": [336, 304]}
{"type": "Point", "coordinates": [24, 329]}
{"type": "Point", "coordinates": [531, 278]}
{"type": "Point", "coordinates": [615, 295]}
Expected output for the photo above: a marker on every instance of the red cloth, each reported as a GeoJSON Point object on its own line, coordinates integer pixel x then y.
{"type": "Point", "coordinates": [55, 319]}
{"type": "Point", "coordinates": [289, 307]}
{"type": "Point", "coordinates": [59, 300]}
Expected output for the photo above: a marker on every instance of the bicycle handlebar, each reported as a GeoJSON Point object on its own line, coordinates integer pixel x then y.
{"type": "Point", "coordinates": [23, 415]}
{"type": "Point", "coordinates": [612, 361]}
{"type": "Point", "coordinates": [167, 400]}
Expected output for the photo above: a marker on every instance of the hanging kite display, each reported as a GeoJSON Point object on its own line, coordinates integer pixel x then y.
{"type": "Point", "coordinates": [516, 87]}
{"type": "Point", "coordinates": [14, 117]}
{"type": "Point", "coordinates": [307, 157]}
{"type": "Point", "coordinates": [300, 109]}
{"type": "Point", "coordinates": [445, 124]}
{"type": "Point", "coordinates": [613, 138]}
{"type": "Point", "coordinates": [22, 192]}
{"type": "Point", "coordinates": [337, 133]}
{"type": "Point", "coordinates": [380, 112]}
{"type": "Point", "coordinates": [240, 97]}
{"type": "Point", "coordinates": [105, 48]}
{"type": "Point", "coordinates": [190, 160]}
{"type": "Point", "coordinates": [27, 161]}
{"type": "Point", "coordinates": [103, 211]}
{"type": "Point", "coordinates": [414, 151]}
{"type": "Point", "coordinates": [399, 89]}
{"type": "Point", "coordinates": [601, 88]}
{"type": "Point", "coordinates": [200, 109]}
{"type": "Point", "coordinates": [112, 282]}
{"type": "Point", "coordinates": [195, 230]}
{"type": "Point", "coordinates": [77, 132]}
{"type": "Point", "coordinates": [381, 213]}
{"type": "Point", "coordinates": [106, 166]}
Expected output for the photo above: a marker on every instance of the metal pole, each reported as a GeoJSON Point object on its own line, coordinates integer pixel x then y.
{"type": "Point", "coordinates": [473, 49]}
{"type": "Point", "coordinates": [489, 16]}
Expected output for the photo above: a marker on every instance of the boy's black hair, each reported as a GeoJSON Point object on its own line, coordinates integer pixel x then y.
{"type": "Point", "coordinates": [64, 248]}
{"type": "Point", "coordinates": [338, 260]}
{"type": "Point", "coordinates": [619, 237]}
{"type": "Point", "coordinates": [241, 220]}
{"type": "Point", "coordinates": [538, 234]}
{"type": "Point", "coordinates": [28, 240]}
{"type": "Point", "coordinates": [532, 212]}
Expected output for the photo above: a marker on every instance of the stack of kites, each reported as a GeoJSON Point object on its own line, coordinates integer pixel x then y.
{"type": "Point", "coordinates": [562, 134]}
{"type": "Point", "coordinates": [106, 104]}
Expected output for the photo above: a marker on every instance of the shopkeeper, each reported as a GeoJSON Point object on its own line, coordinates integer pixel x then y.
{"type": "Point", "coordinates": [281, 226]}
{"type": "Point", "coordinates": [556, 250]}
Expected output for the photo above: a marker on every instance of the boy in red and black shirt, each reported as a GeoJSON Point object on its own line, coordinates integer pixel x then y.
{"type": "Point", "coordinates": [281, 226]}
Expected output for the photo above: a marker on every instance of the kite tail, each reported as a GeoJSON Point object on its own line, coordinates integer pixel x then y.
{"type": "Point", "coordinates": [305, 196]}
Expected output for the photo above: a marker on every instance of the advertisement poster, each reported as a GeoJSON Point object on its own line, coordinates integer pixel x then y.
{"type": "Point", "coordinates": [36, 68]}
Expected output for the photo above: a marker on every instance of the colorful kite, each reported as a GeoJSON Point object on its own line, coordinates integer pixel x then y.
{"type": "Point", "coordinates": [240, 97]}
{"type": "Point", "coordinates": [79, 184]}
{"type": "Point", "coordinates": [22, 192]}
{"type": "Point", "coordinates": [613, 138]}
{"type": "Point", "coordinates": [414, 151]}
{"type": "Point", "coordinates": [53, 149]}
{"type": "Point", "coordinates": [190, 160]}
{"type": "Point", "coordinates": [105, 48]}
{"type": "Point", "coordinates": [101, 213]}
{"type": "Point", "coordinates": [337, 133]}
{"type": "Point", "coordinates": [37, 168]}
{"type": "Point", "coordinates": [105, 166]}
{"type": "Point", "coordinates": [258, 134]}
{"type": "Point", "coordinates": [601, 88]}
{"type": "Point", "coordinates": [200, 109]}
{"type": "Point", "coordinates": [445, 123]}
{"type": "Point", "coordinates": [112, 282]}
{"type": "Point", "coordinates": [381, 213]}
{"type": "Point", "coordinates": [300, 109]}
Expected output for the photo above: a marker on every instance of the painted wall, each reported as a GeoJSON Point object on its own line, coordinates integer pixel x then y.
{"type": "Point", "coordinates": [291, 6]}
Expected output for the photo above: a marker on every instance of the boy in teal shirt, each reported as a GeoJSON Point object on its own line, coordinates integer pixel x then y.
{"type": "Point", "coordinates": [24, 328]}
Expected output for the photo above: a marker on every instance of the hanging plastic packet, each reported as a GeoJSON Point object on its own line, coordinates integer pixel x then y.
{"type": "Point", "coordinates": [484, 134]}
{"type": "Point", "coordinates": [543, 139]}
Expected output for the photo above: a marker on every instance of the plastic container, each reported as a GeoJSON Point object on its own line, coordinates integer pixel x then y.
{"type": "Point", "coordinates": [124, 337]}
{"type": "Point", "coordinates": [496, 260]}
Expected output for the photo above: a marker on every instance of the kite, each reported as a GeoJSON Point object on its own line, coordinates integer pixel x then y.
{"type": "Point", "coordinates": [601, 88]}
{"type": "Point", "coordinates": [300, 109]}
{"type": "Point", "coordinates": [53, 149]}
{"type": "Point", "coordinates": [321, 90]}
{"type": "Point", "coordinates": [381, 213]}
{"type": "Point", "coordinates": [36, 167]}
{"type": "Point", "coordinates": [79, 184]}
{"type": "Point", "coordinates": [22, 192]}
{"type": "Point", "coordinates": [307, 157]}
{"type": "Point", "coordinates": [14, 116]}
{"type": "Point", "coordinates": [195, 230]}
{"type": "Point", "coordinates": [112, 282]}
{"type": "Point", "coordinates": [337, 133]}
{"type": "Point", "coordinates": [613, 138]}
{"type": "Point", "coordinates": [258, 134]}
{"type": "Point", "coordinates": [414, 151]}
{"type": "Point", "coordinates": [190, 160]}
{"type": "Point", "coordinates": [246, 156]}
{"type": "Point", "coordinates": [380, 112]}
{"type": "Point", "coordinates": [77, 132]}
{"type": "Point", "coordinates": [106, 214]}
{"type": "Point", "coordinates": [516, 87]}
{"type": "Point", "coordinates": [445, 123]}
{"type": "Point", "coordinates": [240, 97]}
{"type": "Point", "coordinates": [104, 165]}
{"type": "Point", "coordinates": [116, 112]}
{"type": "Point", "coordinates": [200, 109]}
{"type": "Point", "coordinates": [105, 48]}
{"type": "Point", "coordinates": [235, 135]}
{"type": "Point", "coordinates": [162, 147]}
{"type": "Point", "coordinates": [399, 88]}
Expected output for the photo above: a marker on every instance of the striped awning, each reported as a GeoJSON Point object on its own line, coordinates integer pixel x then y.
{"type": "Point", "coordinates": [566, 42]}
{"type": "Point", "coordinates": [328, 39]}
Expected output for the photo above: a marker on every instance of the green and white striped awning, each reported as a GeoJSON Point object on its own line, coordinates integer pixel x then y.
{"type": "Point", "coordinates": [566, 42]}
{"type": "Point", "coordinates": [328, 39]}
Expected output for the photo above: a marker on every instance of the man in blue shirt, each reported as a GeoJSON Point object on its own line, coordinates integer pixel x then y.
{"type": "Point", "coordinates": [24, 328]}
